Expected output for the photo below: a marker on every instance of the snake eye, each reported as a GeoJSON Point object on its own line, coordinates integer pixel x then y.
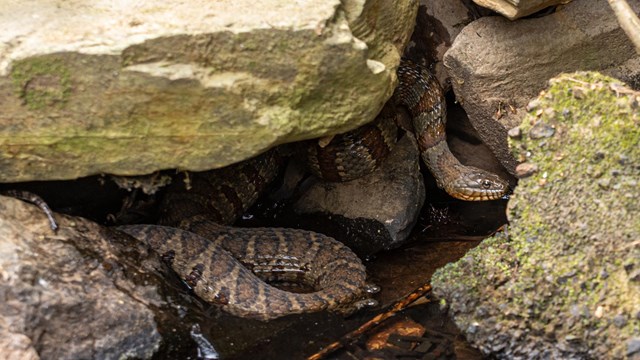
{"type": "Point", "coordinates": [486, 184]}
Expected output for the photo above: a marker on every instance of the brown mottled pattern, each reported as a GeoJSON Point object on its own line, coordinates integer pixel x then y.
{"type": "Point", "coordinates": [217, 193]}
{"type": "Point", "coordinates": [229, 266]}
{"type": "Point", "coordinates": [358, 152]}
{"type": "Point", "coordinates": [421, 94]}
{"type": "Point", "coordinates": [37, 201]}
{"type": "Point", "coordinates": [351, 155]}
{"type": "Point", "coordinates": [213, 266]}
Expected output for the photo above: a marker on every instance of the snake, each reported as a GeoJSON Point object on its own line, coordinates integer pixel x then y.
{"type": "Point", "coordinates": [238, 268]}
{"type": "Point", "coordinates": [364, 148]}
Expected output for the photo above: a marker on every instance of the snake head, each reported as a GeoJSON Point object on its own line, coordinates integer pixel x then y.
{"type": "Point", "coordinates": [478, 185]}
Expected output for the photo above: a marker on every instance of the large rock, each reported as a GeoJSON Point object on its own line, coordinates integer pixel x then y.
{"type": "Point", "coordinates": [372, 213]}
{"type": "Point", "coordinates": [564, 282]}
{"type": "Point", "coordinates": [497, 65]}
{"type": "Point", "coordinates": [72, 294]}
{"type": "Point", "coordinates": [514, 9]}
{"type": "Point", "coordinates": [132, 87]}
{"type": "Point", "coordinates": [437, 25]}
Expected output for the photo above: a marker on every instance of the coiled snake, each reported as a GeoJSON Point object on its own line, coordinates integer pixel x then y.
{"type": "Point", "coordinates": [231, 266]}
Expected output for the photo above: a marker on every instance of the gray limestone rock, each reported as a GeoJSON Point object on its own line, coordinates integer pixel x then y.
{"type": "Point", "coordinates": [559, 282]}
{"type": "Point", "coordinates": [437, 25]}
{"type": "Point", "coordinates": [497, 65]}
{"type": "Point", "coordinates": [128, 88]}
{"type": "Point", "coordinates": [514, 9]}
{"type": "Point", "coordinates": [371, 213]}
{"type": "Point", "coordinates": [71, 294]}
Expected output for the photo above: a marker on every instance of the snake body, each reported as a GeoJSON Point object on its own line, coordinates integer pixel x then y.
{"type": "Point", "coordinates": [421, 94]}
{"type": "Point", "coordinates": [234, 267]}
{"type": "Point", "coordinates": [351, 154]}
{"type": "Point", "coordinates": [231, 266]}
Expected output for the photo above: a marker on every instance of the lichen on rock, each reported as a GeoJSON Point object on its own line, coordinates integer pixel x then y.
{"type": "Point", "coordinates": [131, 88]}
{"type": "Point", "coordinates": [563, 281]}
{"type": "Point", "coordinates": [42, 82]}
{"type": "Point", "coordinates": [497, 65]}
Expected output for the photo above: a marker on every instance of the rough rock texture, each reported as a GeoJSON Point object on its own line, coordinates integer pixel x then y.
{"type": "Point", "coordinates": [371, 213]}
{"type": "Point", "coordinates": [497, 65]}
{"type": "Point", "coordinates": [514, 9]}
{"type": "Point", "coordinates": [132, 87]}
{"type": "Point", "coordinates": [466, 146]}
{"type": "Point", "coordinates": [564, 282]}
{"type": "Point", "coordinates": [437, 25]}
{"type": "Point", "coordinates": [69, 294]}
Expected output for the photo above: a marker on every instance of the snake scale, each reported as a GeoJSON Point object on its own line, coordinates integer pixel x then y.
{"type": "Point", "coordinates": [233, 267]}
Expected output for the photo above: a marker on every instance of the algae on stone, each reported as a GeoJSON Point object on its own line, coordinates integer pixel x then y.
{"type": "Point", "coordinates": [42, 82]}
{"type": "Point", "coordinates": [564, 280]}
{"type": "Point", "coordinates": [131, 88]}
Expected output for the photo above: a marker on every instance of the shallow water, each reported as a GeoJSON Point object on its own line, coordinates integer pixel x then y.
{"type": "Point", "coordinates": [446, 230]}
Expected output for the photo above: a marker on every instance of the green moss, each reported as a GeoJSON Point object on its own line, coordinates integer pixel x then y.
{"type": "Point", "coordinates": [573, 224]}
{"type": "Point", "coordinates": [42, 82]}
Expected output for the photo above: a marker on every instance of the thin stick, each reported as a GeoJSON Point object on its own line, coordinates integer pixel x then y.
{"type": "Point", "coordinates": [628, 21]}
{"type": "Point", "coordinates": [350, 337]}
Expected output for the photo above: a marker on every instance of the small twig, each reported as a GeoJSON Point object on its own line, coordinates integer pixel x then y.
{"type": "Point", "coordinates": [568, 78]}
{"type": "Point", "coordinates": [36, 200]}
{"type": "Point", "coordinates": [628, 21]}
{"type": "Point", "coordinates": [350, 337]}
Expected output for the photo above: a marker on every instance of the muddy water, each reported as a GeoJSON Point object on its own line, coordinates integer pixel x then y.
{"type": "Point", "coordinates": [446, 231]}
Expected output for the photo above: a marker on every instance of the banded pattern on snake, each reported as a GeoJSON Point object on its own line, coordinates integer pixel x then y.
{"type": "Point", "coordinates": [420, 93]}
{"type": "Point", "coordinates": [229, 266]}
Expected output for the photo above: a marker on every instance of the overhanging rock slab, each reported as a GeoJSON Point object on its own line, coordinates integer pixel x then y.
{"type": "Point", "coordinates": [132, 87]}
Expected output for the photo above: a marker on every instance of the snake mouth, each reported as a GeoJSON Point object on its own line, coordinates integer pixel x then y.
{"type": "Point", "coordinates": [476, 195]}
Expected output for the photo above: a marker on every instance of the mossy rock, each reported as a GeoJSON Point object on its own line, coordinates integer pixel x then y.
{"type": "Point", "coordinates": [564, 280]}
{"type": "Point", "coordinates": [42, 82]}
{"type": "Point", "coordinates": [193, 85]}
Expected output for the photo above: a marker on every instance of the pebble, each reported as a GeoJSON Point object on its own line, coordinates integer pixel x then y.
{"type": "Point", "coordinates": [481, 311]}
{"type": "Point", "coordinates": [533, 104]}
{"type": "Point", "coordinates": [604, 183]}
{"type": "Point", "coordinates": [599, 312]}
{"type": "Point", "coordinates": [473, 328]}
{"type": "Point", "coordinates": [604, 274]}
{"type": "Point", "coordinates": [623, 159]}
{"type": "Point", "coordinates": [541, 130]}
{"type": "Point", "coordinates": [599, 155]}
{"type": "Point", "coordinates": [633, 346]}
{"type": "Point", "coordinates": [578, 92]}
{"type": "Point", "coordinates": [515, 133]}
{"type": "Point", "coordinates": [619, 321]}
{"type": "Point", "coordinates": [525, 170]}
